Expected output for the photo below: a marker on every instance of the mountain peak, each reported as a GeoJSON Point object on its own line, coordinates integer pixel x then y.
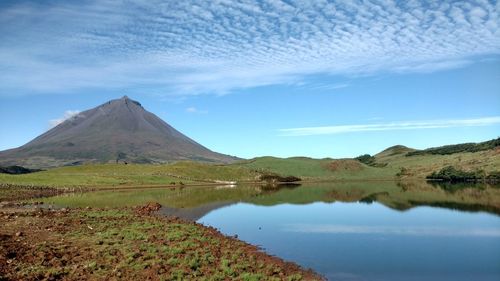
{"type": "Point", "coordinates": [118, 130]}
{"type": "Point", "coordinates": [126, 100]}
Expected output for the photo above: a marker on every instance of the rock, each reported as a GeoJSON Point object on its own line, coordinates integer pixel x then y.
{"type": "Point", "coordinates": [19, 234]}
{"type": "Point", "coordinates": [148, 208]}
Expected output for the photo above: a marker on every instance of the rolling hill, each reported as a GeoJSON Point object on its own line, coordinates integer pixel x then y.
{"type": "Point", "coordinates": [394, 163]}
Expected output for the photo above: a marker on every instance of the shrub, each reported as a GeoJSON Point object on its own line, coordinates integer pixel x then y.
{"type": "Point", "coordinates": [495, 176]}
{"type": "Point", "coordinates": [452, 174]}
{"type": "Point", "coordinates": [457, 148]}
{"type": "Point", "coordinates": [366, 159]}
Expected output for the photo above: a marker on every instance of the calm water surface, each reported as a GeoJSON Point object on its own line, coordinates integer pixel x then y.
{"type": "Point", "coordinates": [356, 241]}
{"type": "Point", "coordinates": [355, 231]}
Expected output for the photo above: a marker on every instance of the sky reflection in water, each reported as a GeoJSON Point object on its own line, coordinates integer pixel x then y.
{"type": "Point", "coordinates": [357, 241]}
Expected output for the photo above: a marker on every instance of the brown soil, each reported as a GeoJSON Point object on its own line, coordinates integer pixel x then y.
{"type": "Point", "coordinates": [66, 245]}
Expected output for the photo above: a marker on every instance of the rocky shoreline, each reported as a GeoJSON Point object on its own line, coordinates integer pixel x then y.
{"type": "Point", "coordinates": [127, 244]}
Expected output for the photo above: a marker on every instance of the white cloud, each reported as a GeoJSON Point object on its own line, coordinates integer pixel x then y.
{"type": "Point", "coordinates": [195, 110]}
{"type": "Point", "coordinates": [408, 125]}
{"type": "Point", "coordinates": [67, 115]}
{"type": "Point", "coordinates": [330, 87]}
{"type": "Point", "coordinates": [192, 47]}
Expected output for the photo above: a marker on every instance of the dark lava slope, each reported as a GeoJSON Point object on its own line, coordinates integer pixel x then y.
{"type": "Point", "coordinates": [119, 130]}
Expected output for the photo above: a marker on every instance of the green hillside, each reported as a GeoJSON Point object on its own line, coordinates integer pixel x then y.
{"type": "Point", "coordinates": [390, 164]}
{"type": "Point", "coordinates": [112, 175]}
{"type": "Point", "coordinates": [420, 166]}
{"type": "Point", "coordinates": [316, 169]}
{"type": "Point", "coordinates": [457, 148]}
{"type": "Point", "coordinates": [394, 150]}
{"type": "Point", "coordinates": [297, 166]}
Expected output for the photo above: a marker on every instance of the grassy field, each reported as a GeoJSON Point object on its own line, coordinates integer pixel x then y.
{"type": "Point", "coordinates": [392, 164]}
{"type": "Point", "coordinates": [120, 175]}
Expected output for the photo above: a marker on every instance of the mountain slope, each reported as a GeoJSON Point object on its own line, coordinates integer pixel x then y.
{"type": "Point", "coordinates": [119, 130]}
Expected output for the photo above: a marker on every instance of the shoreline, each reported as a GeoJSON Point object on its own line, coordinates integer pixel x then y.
{"type": "Point", "coordinates": [201, 184]}
{"type": "Point", "coordinates": [39, 191]}
{"type": "Point", "coordinates": [127, 243]}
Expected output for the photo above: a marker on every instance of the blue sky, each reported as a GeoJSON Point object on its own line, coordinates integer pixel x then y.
{"type": "Point", "coordinates": [253, 78]}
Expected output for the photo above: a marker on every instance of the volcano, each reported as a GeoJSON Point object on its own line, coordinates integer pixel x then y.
{"type": "Point", "coordinates": [120, 130]}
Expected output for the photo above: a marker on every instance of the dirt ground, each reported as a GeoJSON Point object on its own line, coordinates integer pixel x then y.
{"type": "Point", "coordinates": [127, 244]}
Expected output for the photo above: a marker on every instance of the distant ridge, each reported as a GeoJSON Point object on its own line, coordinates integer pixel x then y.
{"type": "Point", "coordinates": [119, 130]}
{"type": "Point", "coordinates": [394, 150]}
{"type": "Point", "coordinates": [458, 148]}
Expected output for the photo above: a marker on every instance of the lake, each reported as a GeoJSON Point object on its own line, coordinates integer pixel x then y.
{"type": "Point", "coordinates": [345, 231]}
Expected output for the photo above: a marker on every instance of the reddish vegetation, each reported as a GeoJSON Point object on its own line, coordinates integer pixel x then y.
{"type": "Point", "coordinates": [345, 165]}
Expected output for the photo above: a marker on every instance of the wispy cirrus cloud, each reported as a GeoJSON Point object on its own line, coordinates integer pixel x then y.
{"type": "Point", "coordinates": [393, 230]}
{"type": "Point", "coordinates": [192, 47]}
{"type": "Point", "coordinates": [407, 125]}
